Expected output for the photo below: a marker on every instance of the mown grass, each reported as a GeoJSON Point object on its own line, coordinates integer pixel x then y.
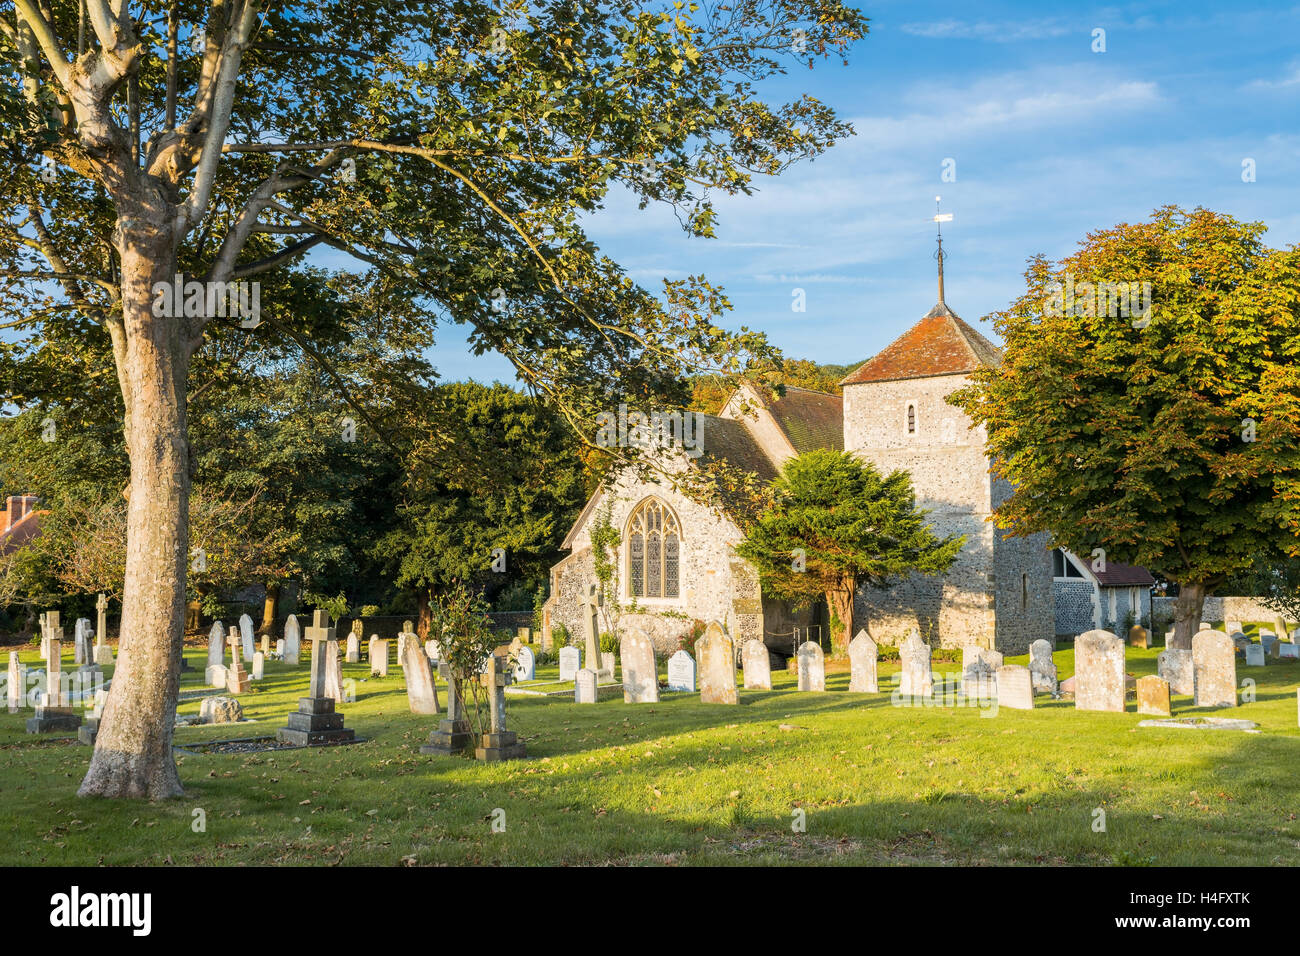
{"type": "Point", "coordinates": [689, 783]}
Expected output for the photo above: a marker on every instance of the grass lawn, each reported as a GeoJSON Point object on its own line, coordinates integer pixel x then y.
{"type": "Point", "coordinates": [689, 783]}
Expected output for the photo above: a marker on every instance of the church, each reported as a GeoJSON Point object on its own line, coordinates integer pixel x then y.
{"type": "Point", "coordinates": [676, 564]}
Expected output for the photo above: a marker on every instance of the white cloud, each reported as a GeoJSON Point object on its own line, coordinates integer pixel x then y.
{"type": "Point", "coordinates": [1003, 31]}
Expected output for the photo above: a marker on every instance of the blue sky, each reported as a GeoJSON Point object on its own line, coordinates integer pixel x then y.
{"type": "Point", "coordinates": [1050, 140]}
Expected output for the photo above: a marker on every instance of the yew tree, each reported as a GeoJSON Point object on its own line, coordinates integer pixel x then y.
{"type": "Point", "coordinates": [448, 152]}
{"type": "Point", "coordinates": [836, 524]}
{"type": "Point", "coordinates": [1170, 437]}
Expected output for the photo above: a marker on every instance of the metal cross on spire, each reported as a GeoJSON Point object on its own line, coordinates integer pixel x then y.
{"type": "Point", "coordinates": [939, 219]}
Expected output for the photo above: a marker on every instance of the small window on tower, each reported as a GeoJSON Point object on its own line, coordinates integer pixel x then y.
{"type": "Point", "coordinates": [911, 418]}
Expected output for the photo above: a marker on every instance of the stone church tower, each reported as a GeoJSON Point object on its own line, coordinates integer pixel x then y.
{"type": "Point", "coordinates": [998, 594]}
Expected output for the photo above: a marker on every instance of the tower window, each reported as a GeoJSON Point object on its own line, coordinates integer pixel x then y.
{"type": "Point", "coordinates": [911, 418]}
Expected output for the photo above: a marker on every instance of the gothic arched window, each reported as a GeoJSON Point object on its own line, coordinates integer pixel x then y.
{"type": "Point", "coordinates": [653, 549]}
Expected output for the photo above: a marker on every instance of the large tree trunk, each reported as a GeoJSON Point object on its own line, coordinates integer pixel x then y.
{"type": "Point", "coordinates": [133, 750]}
{"type": "Point", "coordinates": [268, 609]}
{"type": "Point", "coordinates": [839, 601]}
{"type": "Point", "coordinates": [1188, 607]}
{"type": "Point", "coordinates": [424, 620]}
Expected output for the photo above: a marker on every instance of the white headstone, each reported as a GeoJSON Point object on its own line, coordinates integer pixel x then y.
{"type": "Point", "coordinates": [354, 648]}
{"type": "Point", "coordinates": [1042, 667]}
{"type": "Point", "coordinates": [1015, 687]}
{"type": "Point", "coordinates": [433, 650]}
{"type": "Point", "coordinates": [1099, 682]}
{"type": "Point", "coordinates": [1255, 655]}
{"type": "Point", "coordinates": [525, 663]}
{"type": "Point", "coordinates": [863, 655]}
{"type": "Point", "coordinates": [216, 644]}
{"type": "Point", "coordinates": [421, 692]}
{"type": "Point", "coordinates": [1214, 664]}
{"type": "Point", "coordinates": [292, 640]}
{"type": "Point", "coordinates": [681, 672]}
{"type": "Point", "coordinates": [812, 667]}
{"type": "Point", "coordinates": [259, 666]}
{"type": "Point", "coordinates": [246, 635]}
{"type": "Point", "coordinates": [584, 686]}
{"type": "Point", "coordinates": [916, 679]}
{"type": "Point", "coordinates": [17, 682]}
{"type": "Point", "coordinates": [377, 651]}
{"type": "Point", "coordinates": [279, 648]}
{"type": "Point", "coordinates": [1175, 666]}
{"type": "Point", "coordinates": [215, 675]}
{"type": "Point", "coordinates": [757, 665]}
{"type": "Point", "coordinates": [570, 661]}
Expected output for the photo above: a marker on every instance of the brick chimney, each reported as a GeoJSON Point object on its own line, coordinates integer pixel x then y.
{"type": "Point", "coordinates": [18, 507]}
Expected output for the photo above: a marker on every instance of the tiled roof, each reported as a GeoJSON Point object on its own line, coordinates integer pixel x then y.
{"type": "Point", "coordinates": [24, 530]}
{"type": "Point", "coordinates": [727, 440]}
{"type": "Point", "coordinates": [1123, 575]}
{"type": "Point", "coordinates": [940, 344]}
{"type": "Point", "coordinates": [809, 419]}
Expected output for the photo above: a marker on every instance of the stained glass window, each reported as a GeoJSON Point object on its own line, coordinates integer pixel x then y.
{"type": "Point", "coordinates": [654, 546]}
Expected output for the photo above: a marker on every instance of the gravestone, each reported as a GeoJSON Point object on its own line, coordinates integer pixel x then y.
{"type": "Point", "coordinates": [354, 648]}
{"type": "Point", "coordinates": [292, 641]}
{"type": "Point", "coordinates": [1015, 687]}
{"type": "Point", "coordinates": [1175, 666]}
{"type": "Point", "coordinates": [316, 721]}
{"type": "Point", "coordinates": [1138, 636]}
{"type": "Point", "coordinates": [216, 675]}
{"type": "Point", "coordinates": [236, 676]}
{"type": "Point", "coordinates": [863, 654]}
{"type": "Point", "coordinates": [591, 620]}
{"type": "Point", "coordinates": [17, 683]}
{"type": "Point", "coordinates": [1214, 668]}
{"type": "Point", "coordinates": [453, 732]}
{"type": "Point", "coordinates": [433, 651]}
{"type": "Point", "coordinates": [1288, 650]}
{"type": "Point", "coordinates": [1279, 626]}
{"type": "Point", "coordinates": [279, 649]}
{"type": "Point", "coordinates": [1255, 655]}
{"type": "Point", "coordinates": [421, 691]}
{"type": "Point", "coordinates": [378, 653]}
{"type": "Point", "coordinates": [220, 710]}
{"type": "Point", "coordinates": [525, 664]}
{"type": "Point", "coordinates": [608, 663]}
{"type": "Point", "coordinates": [1206, 626]}
{"type": "Point", "coordinates": [1266, 640]}
{"type": "Point", "coordinates": [246, 633]}
{"type": "Point", "coordinates": [401, 649]}
{"type": "Point", "coordinates": [216, 644]}
{"type": "Point", "coordinates": [570, 661]}
{"type": "Point", "coordinates": [979, 669]}
{"type": "Point", "coordinates": [52, 714]}
{"type": "Point", "coordinates": [640, 673]}
{"type": "Point", "coordinates": [498, 743]}
{"type": "Point", "coordinates": [89, 728]}
{"type": "Point", "coordinates": [717, 666]}
{"type": "Point", "coordinates": [1042, 667]}
{"type": "Point", "coordinates": [81, 642]}
{"type": "Point", "coordinates": [1233, 628]}
{"type": "Point", "coordinates": [681, 672]}
{"type": "Point", "coordinates": [755, 662]}
{"type": "Point", "coordinates": [1153, 696]}
{"type": "Point", "coordinates": [584, 686]}
{"type": "Point", "coordinates": [916, 679]}
{"type": "Point", "coordinates": [259, 666]}
{"type": "Point", "coordinates": [333, 672]}
{"type": "Point", "coordinates": [49, 623]}
{"type": "Point", "coordinates": [812, 667]}
{"type": "Point", "coordinates": [1099, 680]}
{"type": "Point", "coordinates": [524, 635]}
{"type": "Point", "coordinates": [264, 645]}
{"type": "Point", "coordinates": [103, 653]}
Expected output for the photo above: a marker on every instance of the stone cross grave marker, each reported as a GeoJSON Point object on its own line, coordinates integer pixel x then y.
{"type": "Point", "coordinates": [1099, 681]}
{"type": "Point", "coordinates": [755, 663]}
{"type": "Point", "coordinates": [591, 618]}
{"type": "Point", "coordinates": [1214, 669]}
{"type": "Point", "coordinates": [16, 691]}
{"type": "Point", "coordinates": [863, 654]}
{"type": "Point", "coordinates": [681, 672]}
{"type": "Point", "coordinates": [498, 743]}
{"type": "Point", "coordinates": [316, 722]}
{"type": "Point", "coordinates": [717, 666]}
{"type": "Point", "coordinates": [812, 667]}
{"type": "Point", "coordinates": [236, 676]}
{"type": "Point", "coordinates": [640, 674]}
{"type": "Point", "coordinates": [52, 713]}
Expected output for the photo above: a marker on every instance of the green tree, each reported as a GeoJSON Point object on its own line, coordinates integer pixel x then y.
{"type": "Point", "coordinates": [835, 525]}
{"type": "Point", "coordinates": [1169, 439]}
{"type": "Point", "coordinates": [509, 483]}
{"type": "Point", "coordinates": [450, 150]}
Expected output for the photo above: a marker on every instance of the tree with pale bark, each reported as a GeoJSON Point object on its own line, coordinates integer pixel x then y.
{"type": "Point", "coordinates": [448, 151]}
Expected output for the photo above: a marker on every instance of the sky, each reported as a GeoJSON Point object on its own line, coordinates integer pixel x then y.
{"type": "Point", "coordinates": [1044, 139]}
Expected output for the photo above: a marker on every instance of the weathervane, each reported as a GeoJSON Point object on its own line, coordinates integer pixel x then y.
{"type": "Point", "coordinates": [939, 219]}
